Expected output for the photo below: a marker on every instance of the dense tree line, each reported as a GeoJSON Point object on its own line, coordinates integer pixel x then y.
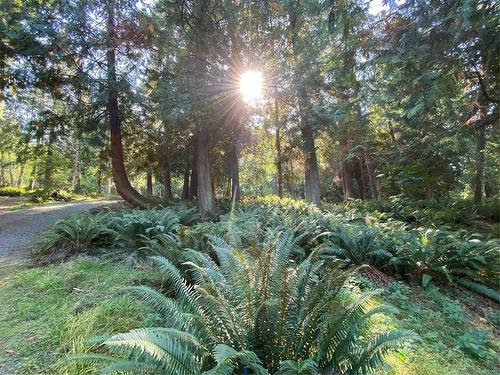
{"type": "Point", "coordinates": [359, 101]}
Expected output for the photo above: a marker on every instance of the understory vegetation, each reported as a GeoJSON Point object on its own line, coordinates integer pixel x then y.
{"type": "Point", "coordinates": [268, 287]}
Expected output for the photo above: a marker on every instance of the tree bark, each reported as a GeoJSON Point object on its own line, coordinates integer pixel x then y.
{"type": "Point", "coordinates": [122, 183]}
{"type": "Point", "coordinates": [193, 183]}
{"type": "Point", "coordinates": [2, 169]}
{"type": "Point", "coordinates": [31, 185]}
{"type": "Point", "coordinates": [167, 180]}
{"type": "Point", "coordinates": [279, 167]}
{"type": "Point", "coordinates": [371, 175]}
{"type": "Point", "coordinates": [149, 180]}
{"type": "Point", "coordinates": [20, 178]}
{"type": "Point", "coordinates": [360, 178]}
{"type": "Point", "coordinates": [47, 182]}
{"type": "Point", "coordinates": [185, 183]}
{"type": "Point", "coordinates": [206, 199]}
{"type": "Point", "coordinates": [77, 168]}
{"type": "Point", "coordinates": [480, 162]}
{"type": "Point", "coordinates": [235, 172]}
{"type": "Point", "coordinates": [100, 175]}
{"type": "Point", "coordinates": [345, 170]}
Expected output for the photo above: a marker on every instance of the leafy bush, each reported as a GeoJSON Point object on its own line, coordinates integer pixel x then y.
{"type": "Point", "coordinates": [256, 311]}
{"type": "Point", "coordinates": [40, 196]}
{"type": "Point", "coordinates": [12, 191]}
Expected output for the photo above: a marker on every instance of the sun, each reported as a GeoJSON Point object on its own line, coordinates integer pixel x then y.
{"type": "Point", "coordinates": [251, 86]}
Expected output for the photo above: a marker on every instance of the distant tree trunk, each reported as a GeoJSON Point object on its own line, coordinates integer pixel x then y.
{"type": "Point", "coordinates": [167, 180]}
{"type": "Point", "coordinates": [279, 167]}
{"type": "Point", "coordinates": [345, 170]}
{"type": "Point", "coordinates": [77, 168]}
{"type": "Point", "coordinates": [480, 163]}
{"type": "Point", "coordinates": [47, 181]}
{"type": "Point", "coordinates": [185, 183]}
{"type": "Point", "coordinates": [100, 175]}
{"type": "Point", "coordinates": [360, 177]}
{"type": "Point", "coordinates": [235, 172]}
{"type": "Point", "coordinates": [122, 183]}
{"type": "Point", "coordinates": [149, 180]}
{"type": "Point", "coordinates": [2, 168]}
{"type": "Point", "coordinates": [371, 175]}
{"type": "Point", "coordinates": [206, 199]}
{"type": "Point", "coordinates": [11, 174]}
{"type": "Point", "coordinates": [31, 185]}
{"type": "Point", "coordinates": [20, 178]}
{"type": "Point", "coordinates": [291, 180]}
{"type": "Point", "coordinates": [428, 191]}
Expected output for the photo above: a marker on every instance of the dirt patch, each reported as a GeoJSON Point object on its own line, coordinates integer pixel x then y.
{"type": "Point", "coordinates": [6, 202]}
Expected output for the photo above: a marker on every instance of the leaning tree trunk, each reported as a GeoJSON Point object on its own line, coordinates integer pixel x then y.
{"type": "Point", "coordinates": [122, 183]}
{"type": "Point", "coordinates": [206, 199]}
{"type": "Point", "coordinates": [480, 162]}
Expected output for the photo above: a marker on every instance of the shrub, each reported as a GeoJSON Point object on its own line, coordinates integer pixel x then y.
{"type": "Point", "coordinates": [256, 311]}
{"type": "Point", "coordinates": [12, 191]}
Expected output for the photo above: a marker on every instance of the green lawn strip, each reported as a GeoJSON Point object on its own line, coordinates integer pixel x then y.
{"type": "Point", "coordinates": [48, 313]}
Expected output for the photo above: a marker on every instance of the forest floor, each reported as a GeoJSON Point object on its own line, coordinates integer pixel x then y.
{"type": "Point", "coordinates": [19, 228]}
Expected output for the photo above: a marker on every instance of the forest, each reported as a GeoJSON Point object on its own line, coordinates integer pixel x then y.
{"type": "Point", "coordinates": [249, 187]}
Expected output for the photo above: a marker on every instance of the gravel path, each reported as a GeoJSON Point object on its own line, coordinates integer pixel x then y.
{"type": "Point", "coordinates": [19, 228]}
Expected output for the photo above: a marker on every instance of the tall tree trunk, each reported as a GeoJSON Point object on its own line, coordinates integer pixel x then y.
{"type": "Point", "coordinates": [2, 169]}
{"type": "Point", "coordinates": [346, 170]}
{"type": "Point", "coordinates": [100, 175]}
{"type": "Point", "coordinates": [206, 199]}
{"type": "Point", "coordinates": [360, 177]}
{"type": "Point", "coordinates": [122, 183]}
{"type": "Point", "coordinates": [47, 182]}
{"type": "Point", "coordinates": [291, 180]}
{"type": "Point", "coordinates": [149, 180]}
{"type": "Point", "coordinates": [167, 180]}
{"type": "Point", "coordinates": [480, 162]}
{"type": "Point", "coordinates": [279, 167]}
{"type": "Point", "coordinates": [313, 191]}
{"type": "Point", "coordinates": [31, 185]}
{"type": "Point", "coordinates": [371, 175]}
{"type": "Point", "coordinates": [20, 178]}
{"type": "Point", "coordinates": [193, 183]}
{"type": "Point", "coordinates": [185, 183]}
{"type": "Point", "coordinates": [11, 173]}
{"type": "Point", "coordinates": [235, 173]}
{"type": "Point", "coordinates": [77, 167]}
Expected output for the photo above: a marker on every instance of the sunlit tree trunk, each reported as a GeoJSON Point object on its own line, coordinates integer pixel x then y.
{"type": "Point", "coordinates": [20, 178]}
{"type": "Point", "coordinates": [235, 173]}
{"type": "Point", "coordinates": [49, 167]}
{"type": "Point", "coordinates": [122, 183]}
{"type": "Point", "coordinates": [31, 184]}
{"type": "Point", "coordinates": [2, 168]}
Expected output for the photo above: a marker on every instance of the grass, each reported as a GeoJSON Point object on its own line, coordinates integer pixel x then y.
{"type": "Point", "coordinates": [454, 339]}
{"type": "Point", "coordinates": [48, 313]}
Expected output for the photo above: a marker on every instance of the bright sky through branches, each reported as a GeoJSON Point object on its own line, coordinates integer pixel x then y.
{"type": "Point", "coordinates": [251, 86]}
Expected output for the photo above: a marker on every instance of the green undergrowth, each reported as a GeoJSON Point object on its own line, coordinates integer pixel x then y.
{"type": "Point", "coordinates": [457, 335]}
{"type": "Point", "coordinates": [49, 312]}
